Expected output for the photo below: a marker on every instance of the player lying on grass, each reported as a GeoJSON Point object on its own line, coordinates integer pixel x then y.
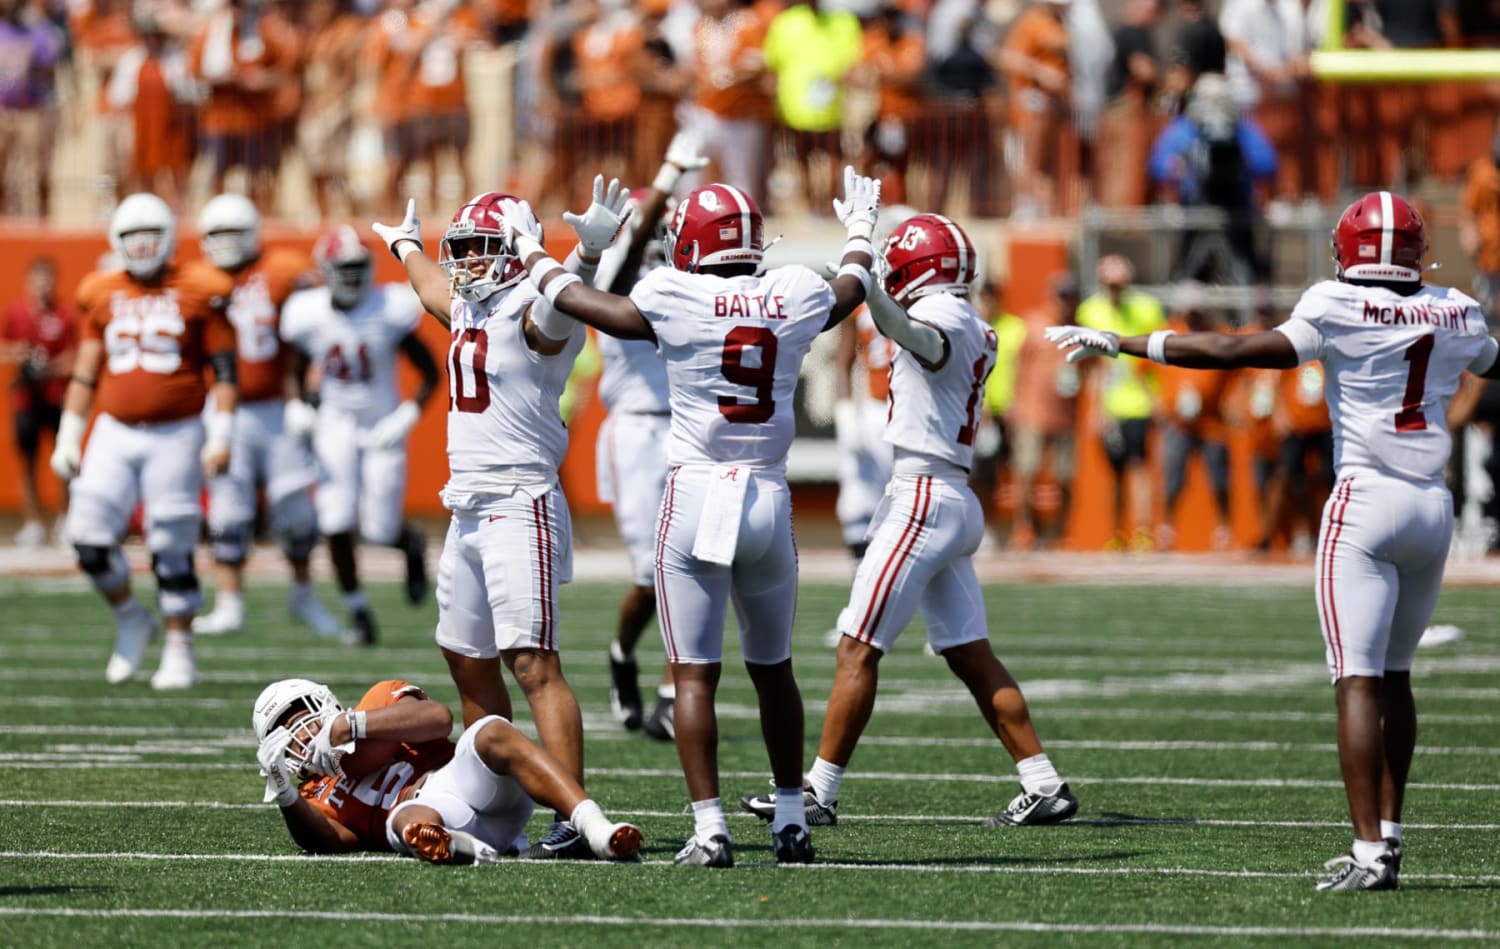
{"type": "Point", "coordinates": [385, 776]}
{"type": "Point", "coordinates": [1393, 350]}
{"type": "Point", "coordinates": [927, 526]}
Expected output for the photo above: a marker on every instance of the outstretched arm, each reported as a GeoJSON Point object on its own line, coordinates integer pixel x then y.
{"type": "Point", "coordinates": [566, 292]}
{"type": "Point", "coordinates": [1268, 350]}
{"type": "Point", "coordinates": [683, 155]}
{"type": "Point", "coordinates": [426, 277]}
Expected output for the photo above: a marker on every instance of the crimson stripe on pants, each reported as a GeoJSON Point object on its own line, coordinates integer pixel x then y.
{"type": "Point", "coordinates": [893, 563]}
{"type": "Point", "coordinates": [661, 580]}
{"type": "Point", "coordinates": [1330, 607]}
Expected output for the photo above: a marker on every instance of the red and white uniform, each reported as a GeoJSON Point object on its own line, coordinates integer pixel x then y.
{"type": "Point", "coordinates": [510, 540]}
{"type": "Point", "coordinates": [733, 348]}
{"type": "Point", "coordinates": [262, 453]}
{"type": "Point", "coordinates": [148, 433]}
{"type": "Point", "coordinates": [355, 355]}
{"type": "Point", "coordinates": [632, 468]}
{"type": "Point", "coordinates": [1392, 363]}
{"type": "Point", "coordinates": [863, 473]}
{"type": "Point", "coordinates": [929, 522]}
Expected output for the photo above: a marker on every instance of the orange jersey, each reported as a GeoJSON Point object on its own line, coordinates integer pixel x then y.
{"type": "Point", "coordinates": [728, 51]}
{"type": "Point", "coordinates": [875, 354]}
{"type": "Point", "coordinates": [362, 805]}
{"type": "Point", "coordinates": [1194, 398]}
{"type": "Point", "coordinates": [255, 314]}
{"type": "Point", "coordinates": [900, 63]}
{"type": "Point", "coordinates": [1301, 403]}
{"type": "Point", "coordinates": [157, 338]}
{"type": "Point", "coordinates": [607, 63]}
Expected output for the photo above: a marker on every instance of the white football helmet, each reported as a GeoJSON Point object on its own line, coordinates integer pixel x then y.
{"type": "Point", "coordinates": [229, 227]}
{"type": "Point", "coordinates": [280, 699]}
{"type": "Point", "coordinates": [143, 234]}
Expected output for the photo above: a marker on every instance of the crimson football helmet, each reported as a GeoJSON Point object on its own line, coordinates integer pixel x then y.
{"type": "Point", "coordinates": [713, 226]}
{"type": "Point", "coordinates": [472, 251]}
{"type": "Point", "coordinates": [1379, 237]}
{"type": "Point", "coordinates": [928, 254]}
{"type": "Point", "coordinates": [346, 265]}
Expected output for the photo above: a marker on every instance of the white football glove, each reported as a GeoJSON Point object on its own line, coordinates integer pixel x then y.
{"type": "Point", "coordinates": [861, 204]}
{"type": "Point", "coordinates": [410, 229]}
{"type": "Point", "coordinates": [523, 232]}
{"type": "Point", "coordinates": [684, 154]}
{"type": "Point", "coordinates": [599, 224]}
{"type": "Point", "coordinates": [67, 455]}
{"type": "Point", "coordinates": [299, 419]}
{"type": "Point", "coordinates": [1083, 342]}
{"type": "Point", "coordinates": [323, 756]}
{"type": "Point", "coordinates": [280, 786]}
{"type": "Point", "coordinates": [391, 430]}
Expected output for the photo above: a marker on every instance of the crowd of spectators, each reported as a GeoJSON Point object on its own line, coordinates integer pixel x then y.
{"type": "Point", "coordinates": [979, 108]}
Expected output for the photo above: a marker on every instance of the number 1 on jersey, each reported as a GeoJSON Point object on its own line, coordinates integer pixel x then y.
{"type": "Point", "coordinates": [1410, 418]}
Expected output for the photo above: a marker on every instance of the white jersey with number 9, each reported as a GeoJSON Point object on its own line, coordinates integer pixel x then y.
{"type": "Point", "coordinates": [734, 348]}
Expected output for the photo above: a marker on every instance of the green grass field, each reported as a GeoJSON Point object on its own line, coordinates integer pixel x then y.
{"type": "Point", "coordinates": [1194, 724]}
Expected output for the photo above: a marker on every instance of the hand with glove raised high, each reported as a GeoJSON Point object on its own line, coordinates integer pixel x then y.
{"type": "Point", "coordinates": [395, 235]}
{"type": "Point", "coordinates": [860, 207]}
{"type": "Point", "coordinates": [1082, 343]}
{"type": "Point", "coordinates": [599, 224]}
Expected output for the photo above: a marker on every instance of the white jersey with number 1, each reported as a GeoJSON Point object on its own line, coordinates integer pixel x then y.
{"type": "Point", "coordinates": [734, 348]}
{"type": "Point", "coordinates": [935, 412]}
{"type": "Point", "coordinates": [1392, 364]}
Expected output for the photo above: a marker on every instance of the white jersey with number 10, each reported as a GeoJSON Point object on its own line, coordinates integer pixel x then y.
{"type": "Point", "coordinates": [1392, 364]}
{"type": "Point", "coordinates": [935, 412]}
{"type": "Point", "coordinates": [734, 348]}
{"type": "Point", "coordinates": [503, 418]}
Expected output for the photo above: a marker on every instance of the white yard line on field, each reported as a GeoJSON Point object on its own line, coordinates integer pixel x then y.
{"type": "Point", "coordinates": [843, 817]}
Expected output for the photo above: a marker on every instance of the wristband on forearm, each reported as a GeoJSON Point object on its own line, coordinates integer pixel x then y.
{"type": "Point", "coordinates": [1156, 346]}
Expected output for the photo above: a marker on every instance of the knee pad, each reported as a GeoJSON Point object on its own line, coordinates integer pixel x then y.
{"type": "Point", "coordinates": [105, 566]}
{"type": "Point", "coordinates": [177, 591]}
{"type": "Point", "coordinates": [230, 543]}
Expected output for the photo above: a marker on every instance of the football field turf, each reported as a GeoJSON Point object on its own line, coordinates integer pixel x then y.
{"type": "Point", "coordinates": [1195, 725]}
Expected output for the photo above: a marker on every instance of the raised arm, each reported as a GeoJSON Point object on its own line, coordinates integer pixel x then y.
{"type": "Point", "coordinates": [683, 155]}
{"type": "Point", "coordinates": [567, 293]}
{"type": "Point", "coordinates": [858, 212]}
{"type": "Point", "coordinates": [426, 277]}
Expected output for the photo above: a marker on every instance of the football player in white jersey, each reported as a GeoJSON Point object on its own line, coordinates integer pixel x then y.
{"type": "Point", "coordinates": [265, 455]}
{"type": "Point", "coordinates": [1392, 349]}
{"type": "Point", "coordinates": [734, 344]}
{"type": "Point", "coordinates": [632, 468]}
{"type": "Point", "coordinates": [352, 331]}
{"type": "Point", "coordinates": [928, 525]}
{"type": "Point", "coordinates": [510, 539]}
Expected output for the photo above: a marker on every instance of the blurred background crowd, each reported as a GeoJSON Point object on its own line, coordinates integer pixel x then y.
{"type": "Point", "coordinates": [1184, 151]}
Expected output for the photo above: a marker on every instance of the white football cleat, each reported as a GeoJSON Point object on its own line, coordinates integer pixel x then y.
{"type": "Point", "coordinates": [307, 609]}
{"type": "Point", "coordinates": [1441, 635]}
{"type": "Point", "coordinates": [32, 534]}
{"type": "Point", "coordinates": [132, 636]}
{"type": "Point", "coordinates": [226, 619]}
{"type": "Point", "coordinates": [178, 669]}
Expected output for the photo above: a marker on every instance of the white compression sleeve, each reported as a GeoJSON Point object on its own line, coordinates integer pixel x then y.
{"type": "Point", "coordinates": [548, 319]}
{"type": "Point", "coordinates": [916, 338]}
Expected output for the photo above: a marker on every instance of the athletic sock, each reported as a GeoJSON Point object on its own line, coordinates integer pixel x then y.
{"type": "Point", "coordinates": [708, 819]}
{"type": "Point", "coordinates": [825, 779]}
{"type": "Point", "coordinates": [789, 810]}
{"type": "Point", "coordinates": [666, 692]}
{"type": "Point", "coordinates": [1390, 830]}
{"type": "Point", "coordinates": [1038, 776]}
{"type": "Point", "coordinates": [130, 608]}
{"type": "Point", "coordinates": [229, 602]}
{"type": "Point", "coordinates": [589, 820]}
{"type": "Point", "coordinates": [1366, 850]}
{"type": "Point", "coordinates": [355, 600]}
{"type": "Point", "coordinates": [178, 639]}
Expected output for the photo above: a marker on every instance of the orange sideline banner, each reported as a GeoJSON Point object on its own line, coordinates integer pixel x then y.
{"type": "Point", "coordinates": [1032, 262]}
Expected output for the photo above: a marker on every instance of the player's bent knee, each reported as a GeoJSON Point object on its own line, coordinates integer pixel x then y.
{"type": "Point", "coordinates": [299, 543]}
{"type": "Point", "coordinates": [230, 543]}
{"type": "Point", "coordinates": [534, 669]}
{"type": "Point", "coordinates": [177, 593]}
{"type": "Point", "coordinates": [105, 566]}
